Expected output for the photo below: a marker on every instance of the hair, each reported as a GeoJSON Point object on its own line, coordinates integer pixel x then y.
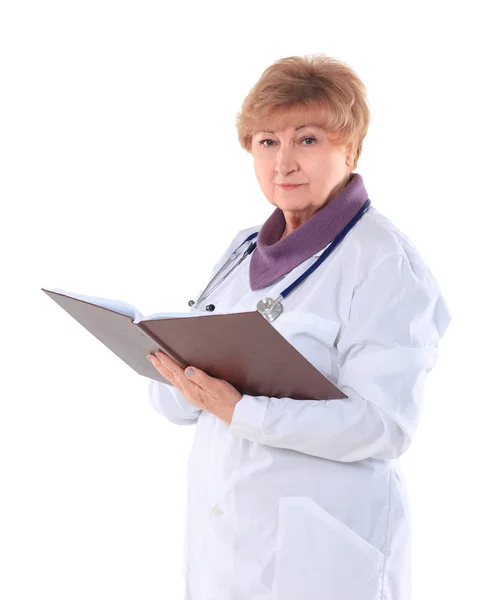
{"type": "Point", "coordinates": [316, 82]}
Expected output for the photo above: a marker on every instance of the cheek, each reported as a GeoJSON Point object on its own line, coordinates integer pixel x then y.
{"type": "Point", "coordinates": [264, 173]}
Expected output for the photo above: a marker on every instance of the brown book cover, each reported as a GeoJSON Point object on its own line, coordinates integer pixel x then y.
{"type": "Point", "coordinates": [241, 348]}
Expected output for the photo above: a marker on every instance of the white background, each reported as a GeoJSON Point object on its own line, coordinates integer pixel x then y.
{"type": "Point", "coordinates": [122, 177]}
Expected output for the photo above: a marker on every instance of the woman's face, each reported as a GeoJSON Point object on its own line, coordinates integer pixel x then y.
{"type": "Point", "coordinates": [300, 152]}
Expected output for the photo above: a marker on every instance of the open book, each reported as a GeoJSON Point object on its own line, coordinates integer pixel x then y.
{"type": "Point", "coordinates": [241, 348]}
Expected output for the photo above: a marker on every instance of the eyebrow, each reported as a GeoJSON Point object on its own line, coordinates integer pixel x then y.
{"type": "Point", "coordinates": [296, 128]}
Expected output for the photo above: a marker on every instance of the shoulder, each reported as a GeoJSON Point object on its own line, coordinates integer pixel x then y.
{"type": "Point", "coordinates": [236, 241]}
{"type": "Point", "coordinates": [388, 265]}
{"type": "Point", "coordinates": [242, 234]}
{"type": "Point", "coordinates": [376, 239]}
{"type": "Point", "coordinates": [240, 237]}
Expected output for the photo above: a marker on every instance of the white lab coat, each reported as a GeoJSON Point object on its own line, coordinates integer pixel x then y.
{"type": "Point", "coordinates": [305, 500]}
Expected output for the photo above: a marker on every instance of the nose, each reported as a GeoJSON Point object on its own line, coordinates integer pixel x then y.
{"type": "Point", "coordinates": [285, 161]}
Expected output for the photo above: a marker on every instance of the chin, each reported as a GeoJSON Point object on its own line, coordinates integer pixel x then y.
{"type": "Point", "coordinates": [291, 205]}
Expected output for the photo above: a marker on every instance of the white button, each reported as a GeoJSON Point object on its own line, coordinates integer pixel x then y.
{"type": "Point", "coordinates": [217, 510]}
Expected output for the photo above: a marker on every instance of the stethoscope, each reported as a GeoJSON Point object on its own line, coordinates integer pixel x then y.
{"type": "Point", "coordinates": [271, 309]}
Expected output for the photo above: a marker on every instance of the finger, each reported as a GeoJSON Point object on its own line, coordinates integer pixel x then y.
{"type": "Point", "coordinates": [201, 379]}
{"type": "Point", "coordinates": [175, 369]}
{"type": "Point", "coordinates": [180, 383]}
{"type": "Point", "coordinates": [167, 360]}
{"type": "Point", "coordinates": [161, 368]}
{"type": "Point", "coordinates": [190, 375]}
{"type": "Point", "coordinates": [183, 381]}
{"type": "Point", "coordinates": [176, 374]}
{"type": "Point", "coordinates": [172, 365]}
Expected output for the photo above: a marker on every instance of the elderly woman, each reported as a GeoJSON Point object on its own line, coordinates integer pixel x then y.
{"type": "Point", "coordinates": [305, 500]}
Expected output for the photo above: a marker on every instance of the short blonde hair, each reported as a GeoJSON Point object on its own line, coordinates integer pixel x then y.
{"type": "Point", "coordinates": [315, 82]}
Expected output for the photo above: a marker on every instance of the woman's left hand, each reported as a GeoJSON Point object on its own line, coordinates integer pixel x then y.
{"type": "Point", "coordinates": [216, 396]}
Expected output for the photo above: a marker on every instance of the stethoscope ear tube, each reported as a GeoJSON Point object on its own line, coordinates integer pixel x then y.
{"type": "Point", "coordinates": [210, 288]}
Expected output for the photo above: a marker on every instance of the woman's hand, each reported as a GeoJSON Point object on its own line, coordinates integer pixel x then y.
{"type": "Point", "coordinates": [214, 395]}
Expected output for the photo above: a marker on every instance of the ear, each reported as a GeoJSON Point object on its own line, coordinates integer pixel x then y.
{"type": "Point", "coordinates": [350, 155]}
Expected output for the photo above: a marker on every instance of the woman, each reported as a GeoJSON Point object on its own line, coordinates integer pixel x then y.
{"type": "Point", "coordinates": [303, 500]}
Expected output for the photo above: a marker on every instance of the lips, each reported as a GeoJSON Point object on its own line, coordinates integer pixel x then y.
{"type": "Point", "coordinates": [289, 186]}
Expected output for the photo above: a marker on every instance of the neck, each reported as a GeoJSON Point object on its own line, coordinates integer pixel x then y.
{"type": "Point", "coordinates": [293, 220]}
{"type": "Point", "coordinates": [273, 259]}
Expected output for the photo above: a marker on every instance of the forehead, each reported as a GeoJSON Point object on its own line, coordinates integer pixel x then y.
{"type": "Point", "coordinates": [293, 120]}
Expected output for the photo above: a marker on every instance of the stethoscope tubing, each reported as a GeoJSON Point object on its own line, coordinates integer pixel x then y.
{"type": "Point", "coordinates": [207, 292]}
{"type": "Point", "coordinates": [336, 241]}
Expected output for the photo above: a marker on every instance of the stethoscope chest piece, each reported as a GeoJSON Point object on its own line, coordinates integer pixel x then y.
{"type": "Point", "coordinates": [270, 309]}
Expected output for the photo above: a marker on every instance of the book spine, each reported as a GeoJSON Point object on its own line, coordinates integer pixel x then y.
{"type": "Point", "coordinates": [163, 347]}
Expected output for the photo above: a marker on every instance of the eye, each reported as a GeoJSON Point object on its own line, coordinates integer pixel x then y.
{"type": "Point", "coordinates": [309, 137]}
{"type": "Point", "coordinates": [265, 140]}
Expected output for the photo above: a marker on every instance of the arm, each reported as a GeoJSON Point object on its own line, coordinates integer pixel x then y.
{"type": "Point", "coordinates": [388, 346]}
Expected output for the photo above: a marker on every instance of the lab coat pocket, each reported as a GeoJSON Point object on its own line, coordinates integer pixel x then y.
{"type": "Point", "coordinates": [320, 558]}
{"type": "Point", "coordinates": [312, 335]}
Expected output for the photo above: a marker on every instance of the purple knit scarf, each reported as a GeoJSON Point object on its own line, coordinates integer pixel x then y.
{"type": "Point", "coordinates": [274, 258]}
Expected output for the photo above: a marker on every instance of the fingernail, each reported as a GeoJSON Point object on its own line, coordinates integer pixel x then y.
{"type": "Point", "coordinates": [149, 358]}
{"type": "Point", "coordinates": [190, 372]}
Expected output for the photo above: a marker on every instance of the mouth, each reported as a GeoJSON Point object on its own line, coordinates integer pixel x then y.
{"type": "Point", "coordinates": [289, 186]}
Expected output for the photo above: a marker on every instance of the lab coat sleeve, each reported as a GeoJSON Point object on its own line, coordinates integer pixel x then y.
{"type": "Point", "coordinates": [386, 348]}
{"type": "Point", "coordinates": [169, 402]}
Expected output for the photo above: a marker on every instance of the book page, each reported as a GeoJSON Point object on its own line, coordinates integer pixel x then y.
{"type": "Point", "coordinates": [154, 316]}
{"type": "Point", "coordinates": [117, 306]}
{"type": "Point", "coordinates": [123, 308]}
